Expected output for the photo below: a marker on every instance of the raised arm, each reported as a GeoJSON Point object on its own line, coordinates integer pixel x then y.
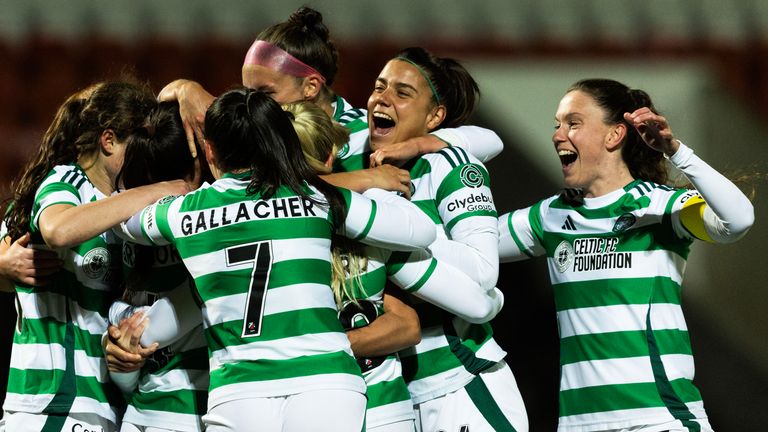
{"type": "Point", "coordinates": [468, 214]}
{"type": "Point", "coordinates": [193, 100]}
{"type": "Point", "coordinates": [725, 214]}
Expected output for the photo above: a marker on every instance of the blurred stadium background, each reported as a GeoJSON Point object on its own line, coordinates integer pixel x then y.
{"type": "Point", "coordinates": [705, 63]}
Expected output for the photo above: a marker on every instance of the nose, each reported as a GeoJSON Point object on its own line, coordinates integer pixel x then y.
{"type": "Point", "coordinates": [559, 135]}
{"type": "Point", "coordinates": [380, 97]}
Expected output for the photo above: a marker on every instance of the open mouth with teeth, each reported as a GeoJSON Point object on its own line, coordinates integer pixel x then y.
{"type": "Point", "coordinates": [567, 157]}
{"type": "Point", "coordinates": [382, 124]}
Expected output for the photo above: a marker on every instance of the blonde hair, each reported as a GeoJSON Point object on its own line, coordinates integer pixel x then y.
{"type": "Point", "coordinates": [320, 138]}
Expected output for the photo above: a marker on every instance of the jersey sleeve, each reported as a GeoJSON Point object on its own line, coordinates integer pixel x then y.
{"type": "Point", "coordinates": [56, 191]}
{"type": "Point", "coordinates": [151, 226]}
{"type": "Point", "coordinates": [444, 286]}
{"type": "Point", "coordinates": [518, 239]}
{"type": "Point", "coordinates": [465, 205]}
{"type": "Point", "coordinates": [718, 211]}
{"type": "Point", "coordinates": [383, 219]}
{"type": "Point", "coordinates": [170, 317]}
{"type": "Point", "coordinates": [482, 143]}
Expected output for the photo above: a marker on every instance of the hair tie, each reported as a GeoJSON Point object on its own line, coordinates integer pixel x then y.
{"type": "Point", "coordinates": [426, 77]}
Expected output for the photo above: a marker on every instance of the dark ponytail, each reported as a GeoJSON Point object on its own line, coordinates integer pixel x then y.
{"type": "Point", "coordinates": [250, 131]}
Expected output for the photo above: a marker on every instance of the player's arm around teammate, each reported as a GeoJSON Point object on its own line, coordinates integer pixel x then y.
{"type": "Point", "coordinates": [63, 197]}
{"type": "Point", "coordinates": [414, 94]}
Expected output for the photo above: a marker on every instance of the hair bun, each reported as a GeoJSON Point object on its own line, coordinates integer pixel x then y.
{"type": "Point", "coordinates": [310, 19]}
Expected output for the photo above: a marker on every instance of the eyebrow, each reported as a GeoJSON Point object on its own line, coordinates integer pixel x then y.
{"type": "Point", "coordinates": [569, 116]}
{"type": "Point", "coordinates": [398, 85]}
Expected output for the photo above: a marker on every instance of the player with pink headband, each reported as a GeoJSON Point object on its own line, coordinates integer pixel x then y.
{"type": "Point", "coordinates": [295, 61]}
{"type": "Point", "coordinates": [265, 54]}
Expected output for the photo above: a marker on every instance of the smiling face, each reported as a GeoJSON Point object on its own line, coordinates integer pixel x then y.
{"type": "Point", "coordinates": [401, 105]}
{"type": "Point", "coordinates": [283, 88]}
{"type": "Point", "coordinates": [589, 149]}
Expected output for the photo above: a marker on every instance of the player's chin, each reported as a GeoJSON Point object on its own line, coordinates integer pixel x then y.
{"type": "Point", "coordinates": [381, 140]}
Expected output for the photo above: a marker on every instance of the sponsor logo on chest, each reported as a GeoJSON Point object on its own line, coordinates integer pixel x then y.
{"type": "Point", "coordinates": [590, 254]}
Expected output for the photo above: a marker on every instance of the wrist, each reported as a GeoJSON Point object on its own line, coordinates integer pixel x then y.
{"type": "Point", "coordinates": [673, 148]}
{"type": "Point", "coordinates": [430, 143]}
{"type": "Point", "coordinates": [681, 156]}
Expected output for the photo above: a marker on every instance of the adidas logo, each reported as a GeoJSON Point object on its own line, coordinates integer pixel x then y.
{"type": "Point", "coordinates": [568, 225]}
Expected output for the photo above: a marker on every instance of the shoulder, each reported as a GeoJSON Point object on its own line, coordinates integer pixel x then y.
{"type": "Point", "coordinates": [348, 116]}
{"type": "Point", "coordinates": [66, 184]}
{"type": "Point", "coordinates": [452, 157]}
{"type": "Point", "coordinates": [660, 199]}
{"type": "Point", "coordinates": [69, 174]}
{"type": "Point", "coordinates": [454, 163]}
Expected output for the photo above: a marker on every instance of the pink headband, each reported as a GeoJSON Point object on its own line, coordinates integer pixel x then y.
{"type": "Point", "coordinates": [270, 56]}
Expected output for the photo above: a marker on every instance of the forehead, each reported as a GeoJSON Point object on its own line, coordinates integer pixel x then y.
{"type": "Point", "coordinates": [401, 72]}
{"type": "Point", "coordinates": [577, 102]}
{"type": "Point", "coordinates": [255, 76]}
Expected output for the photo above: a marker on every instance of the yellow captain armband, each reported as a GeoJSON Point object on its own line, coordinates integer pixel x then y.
{"type": "Point", "coordinates": [692, 218]}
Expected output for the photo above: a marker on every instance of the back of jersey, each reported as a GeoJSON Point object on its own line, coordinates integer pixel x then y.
{"type": "Point", "coordinates": [262, 269]}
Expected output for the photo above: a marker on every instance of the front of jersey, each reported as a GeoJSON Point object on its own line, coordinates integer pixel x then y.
{"type": "Point", "coordinates": [262, 269]}
{"type": "Point", "coordinates": [173, 387]}
{"type": "Point", "coordinates": [450, 186]}
{"type": "Point", "coordinates": [616, 263]}
{"type": "Point", "coordinates": [57, 362]}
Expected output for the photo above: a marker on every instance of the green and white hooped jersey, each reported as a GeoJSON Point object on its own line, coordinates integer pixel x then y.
{"type": "Point", "coordinates": [173, 387]}
{"type": "Point", "coordinates": [350, 156]}
{"type": "Point", "coordinates": [616, 264]}
{"type": "Point", "coordinates": [352, 118]}
{"type": "Point", "coordinates": [388, 397]}
{"type": "Point", "coordinates": [57, 362]}
{"type": "Point", "coordinates": [262, 269]}
{"type": "Point", "coordinates": [449, 186]}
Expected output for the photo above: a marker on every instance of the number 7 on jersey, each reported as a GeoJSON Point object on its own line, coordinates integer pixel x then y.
{"type": "Point", "coordinates": [260, 255]}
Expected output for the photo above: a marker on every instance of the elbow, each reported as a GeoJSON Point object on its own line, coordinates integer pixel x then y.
{"type": "Point", "coordinates": [421, 233]}
{"type": "Point", "coordinates": [748, 219]}
{"type": "Point", "coordinates": [736, 226]}
{"type": "Point", "coordinates": [488, 275]}
{"type": "Point", "coordinates": [425, 237]}
{"type": "Point", "coordinates": [57, 237]}
{"type": "Point", "coordinates": [412, 333]}
{"type": "Point", "coordinates": [410, 327]}
{"type": "Point", "coordinates": [497, 147]}
{"type": "Point", "coordinates": [487, 309]}
{"type": "Point", "coordinates": [739, 228]}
